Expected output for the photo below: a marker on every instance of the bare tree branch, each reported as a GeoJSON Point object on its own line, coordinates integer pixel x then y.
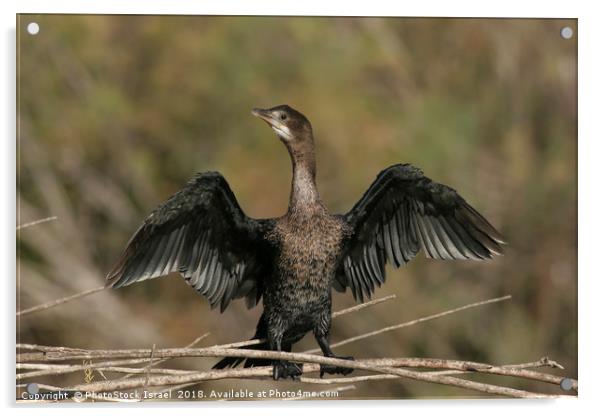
{"type": "Point", "coordinates": [43, 361]}
{"type": "Point", "coordinates": [299, 357]}
{"type": "Point", "coordinates": [456, 367]}
{"type": "Point", "coordinates": [384, 366]}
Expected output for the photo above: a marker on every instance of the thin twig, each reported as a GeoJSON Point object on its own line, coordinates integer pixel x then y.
{"type": "Point", "coordinates": [57, 369]}
{"type": "Point", "coordinates": [149, 365]}
{"type": "Point", "coordinates": [414, 322]}
{"type": "Point", "coordinates": [363, 305]}
{"type": "Point", "coordinates": [36, 222]}
{"type": "Point", "coordinates": [64, 369]}
{"type": "Point", "coordinates": [57, 302]}
{"type": "Point", "coordinates": [543, 362]}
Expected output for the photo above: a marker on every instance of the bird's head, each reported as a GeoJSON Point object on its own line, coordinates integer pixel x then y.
{"type": "Point", "coordinates": [292, 127]}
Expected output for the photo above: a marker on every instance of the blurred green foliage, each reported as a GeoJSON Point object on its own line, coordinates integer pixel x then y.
{"type": "Point", "coordinates": [115, 113]}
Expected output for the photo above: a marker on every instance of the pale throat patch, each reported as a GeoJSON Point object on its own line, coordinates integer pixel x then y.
{"type": "Point", "coordinates": [282, 131]}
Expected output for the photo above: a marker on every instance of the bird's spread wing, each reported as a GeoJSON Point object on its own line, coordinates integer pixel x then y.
{"type": "Point", "coordinates": [202, 233]}
{"type": "Point", "coordinates": [402, 212]}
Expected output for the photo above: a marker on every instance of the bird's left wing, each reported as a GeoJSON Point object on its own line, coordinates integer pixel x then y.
{"type": "Point", "coordinates": [402, 212]}
{"type": "Point", "coordinates": [202, 233]}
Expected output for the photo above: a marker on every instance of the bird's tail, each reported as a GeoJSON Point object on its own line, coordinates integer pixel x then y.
{"type": "Point", "coordinates": [260, 333]}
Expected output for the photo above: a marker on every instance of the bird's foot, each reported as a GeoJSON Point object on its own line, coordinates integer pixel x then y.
{"type": "Point", "coordinates": [333, 369]}
{"type": "Point", "coordinates": [286, 369]}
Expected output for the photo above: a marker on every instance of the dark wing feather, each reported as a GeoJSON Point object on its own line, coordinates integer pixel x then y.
{"type": "Point", "coordinates": [202, 233]}
{"type": "Point", "coordinates": [402, 212]}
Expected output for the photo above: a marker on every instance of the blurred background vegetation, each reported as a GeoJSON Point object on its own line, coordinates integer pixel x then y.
{"type": "Point", "coordinates": [115, 113]}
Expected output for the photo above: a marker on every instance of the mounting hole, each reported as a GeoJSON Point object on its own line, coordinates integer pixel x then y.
{"type": "Point", "coordinates": [32, 388]}
{"type": "Point", "coordinates": [566, 384]}
{"type": "Point", "coordinates": [33, 28]}
{"type": "Point", "coordinates": [566, 32]}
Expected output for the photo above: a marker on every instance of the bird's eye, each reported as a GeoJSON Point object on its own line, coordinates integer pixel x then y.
{"type": "Point", "coordinates": [282, 116]}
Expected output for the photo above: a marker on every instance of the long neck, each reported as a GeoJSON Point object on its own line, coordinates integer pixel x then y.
{"type": "Point", "coordinates": [304, 193]}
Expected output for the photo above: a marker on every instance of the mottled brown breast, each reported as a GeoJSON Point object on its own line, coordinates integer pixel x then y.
{"type": "Point", "coordinates": [309, 247]}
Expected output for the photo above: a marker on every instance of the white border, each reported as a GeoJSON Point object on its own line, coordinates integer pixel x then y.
{"type": "Point", "coordinates": [508, 8]}
{"type": "Point", "coordinates": [590, 211]}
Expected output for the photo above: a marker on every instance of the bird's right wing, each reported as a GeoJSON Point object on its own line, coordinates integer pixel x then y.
{"type": "Point", "coordinates": [201, 232]}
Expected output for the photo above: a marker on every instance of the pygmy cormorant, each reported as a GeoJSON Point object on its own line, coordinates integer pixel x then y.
{"type": "Point", "coordinates": [293, 261]}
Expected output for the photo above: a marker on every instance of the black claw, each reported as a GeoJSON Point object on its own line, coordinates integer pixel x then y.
{"type": "Point", "coordinates": [286, 369]}
{"type": "Point", "coordinates": [332, 369]}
